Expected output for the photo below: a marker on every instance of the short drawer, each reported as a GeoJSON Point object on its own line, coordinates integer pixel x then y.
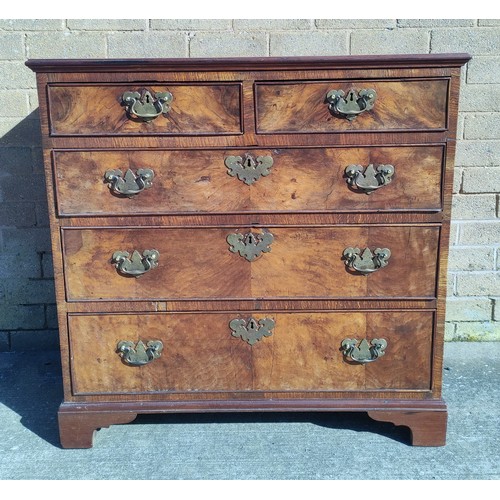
{"type": "Point", "coordinates": [140, 109]}
{"type": "Point", "coordinates": [304, 107]}
{"type": "Point", "coordinates": [272, 351]}
{"type": "Point", "coordinates": [273, 262]}
{"type": "Point", "coordinates": [249, 180]}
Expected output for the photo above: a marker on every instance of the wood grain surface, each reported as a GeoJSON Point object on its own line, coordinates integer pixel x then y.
{"type": "Point", "coordinates": [200, 354]}
{"type": "Point", "coordinates": [303, 262]}
{"type": "Point", "coordinates": [311, 179]}
{"type": "Point", "coordinates": [428, 428]}
{"type": "Point", "coordinates": [400, 105]}
{"type": "Point", "coordinates": [97, 110]}
{"type": "Point", "coordinates": [264, 106]}
{"type": "Point", "coordinates": [309, 63]}
{"type": "Point", "coordinates": [77, 429]}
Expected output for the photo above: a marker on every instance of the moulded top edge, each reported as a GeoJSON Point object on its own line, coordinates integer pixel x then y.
{"type": "Point", "coordinates": [249, 63]}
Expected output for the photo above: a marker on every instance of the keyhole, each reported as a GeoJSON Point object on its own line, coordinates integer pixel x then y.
{"type": "Point", "coordinates": [250, 239]}
{"type": "Point", "coordinates": [351, 95]}
{"type": "Point", "coordinates": [249, 162]}
{"type": "Point", "coordinates": [252, 325]}
{"type": "Point", "coordinates": [147, 99]}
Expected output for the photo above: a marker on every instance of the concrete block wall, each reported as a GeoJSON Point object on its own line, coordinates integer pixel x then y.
{"type": "Point", "coordinates": [27, 311]}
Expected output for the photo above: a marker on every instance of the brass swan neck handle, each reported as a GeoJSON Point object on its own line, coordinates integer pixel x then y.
{"type": "Point", "coordinates": [366, 262]}
{"type": "Point", "coordinates": [129, 184]}
{"type": "Point", "coordinates": [146, 105]}
{"type": "Point", "coordinates": [139, 354]}
{"type": "Point", "coordinates": [369, 179]}
{"type": "Point", "coordinates": [351, 105]}
{"type": "Point", "coordinates": [364, 352]}
{"type": "Point", "coordinates": [137, 264]}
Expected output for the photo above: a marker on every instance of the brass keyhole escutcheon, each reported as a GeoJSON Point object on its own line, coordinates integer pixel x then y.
{"type": "Point", "coordinates": [249, 169]}
{"type": "Point", "coordinates": [250, 245]}
{"type": "Point", "coordinates": [251, 330]}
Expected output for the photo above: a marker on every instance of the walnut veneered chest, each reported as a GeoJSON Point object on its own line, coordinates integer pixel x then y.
{"type": "Point", "coordinates": [253, 234]}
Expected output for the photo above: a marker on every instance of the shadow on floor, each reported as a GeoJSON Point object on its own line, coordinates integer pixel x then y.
{"type": "Point", "coordinates": [31, 386]}
{"type": "Point", "coordinates": [354, 421]}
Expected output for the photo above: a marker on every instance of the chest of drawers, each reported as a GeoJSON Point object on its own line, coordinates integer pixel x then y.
{"type": "Point", "coordinates": [250, 235]}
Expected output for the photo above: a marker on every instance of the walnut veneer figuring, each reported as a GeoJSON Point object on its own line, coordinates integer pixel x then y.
{"type": "Point", "coordinates": [301, 180]}
{"type": "Point", "coordinates": [97, 110]}
{"type": "Point", "coordinates": [299, 107]}
{"type": "Point", "coordinates": [303, 262]}
{"type": "Point", "coordinates": [252, 245]}
{"type": "Point", "coordinates": [292, 359]}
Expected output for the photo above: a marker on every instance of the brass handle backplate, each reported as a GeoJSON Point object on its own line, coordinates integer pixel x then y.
{"type": "Point", "coordinates": [139, 354]}
{"type": "Point", "coordinates": [370, 179]}
{"type": "Point", "coordinates": [137, 264]}
{"type": "Point", "coordinates": [250, 245]}
{"type": "Point", "coordinates": [364, 352]}
{"type": "Point", "coordinates": [366, 262]}
{"type": "Point", "coordinates": [251, 330]}
{"type": "Point", "coordinates": [351, 105]}
{"type": "Point", "coordinates": [129, 184]}
{"type": "Point", "coordinates": [249, 169]}
{"type": "Point", "coordinates": [145, 106]}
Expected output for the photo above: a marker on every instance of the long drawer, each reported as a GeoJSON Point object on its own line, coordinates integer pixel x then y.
{"type": "Point", "coordinates": [273, 262]}
{"type": "Point", "coordinates": [256, 180]}
{"type": "Point", "coordinates": [305, 107]}
{"type": "Point", "coordinates": [191, 109]}
{"type": "Point", "coordinates": [275, 351]}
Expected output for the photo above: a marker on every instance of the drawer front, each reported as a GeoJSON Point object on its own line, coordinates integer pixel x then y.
{"type": "Point", "coordinates": [91, 110]}
{"type": "Point", "coordinates": [274, 262]}
{"type": "Point", "coordinates": [303, 107]}
{"type": "Point", "coordinates": [229, 181]}
{"type": "Point", "coordinates": [286, 352]}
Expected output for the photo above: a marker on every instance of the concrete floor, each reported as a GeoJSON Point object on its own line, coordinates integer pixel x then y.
{"type": "Point", "coordinates": [252, 446]}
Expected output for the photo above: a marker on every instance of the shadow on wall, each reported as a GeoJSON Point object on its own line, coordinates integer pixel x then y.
{"type": "Point", "coordinates": [27, 299]}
